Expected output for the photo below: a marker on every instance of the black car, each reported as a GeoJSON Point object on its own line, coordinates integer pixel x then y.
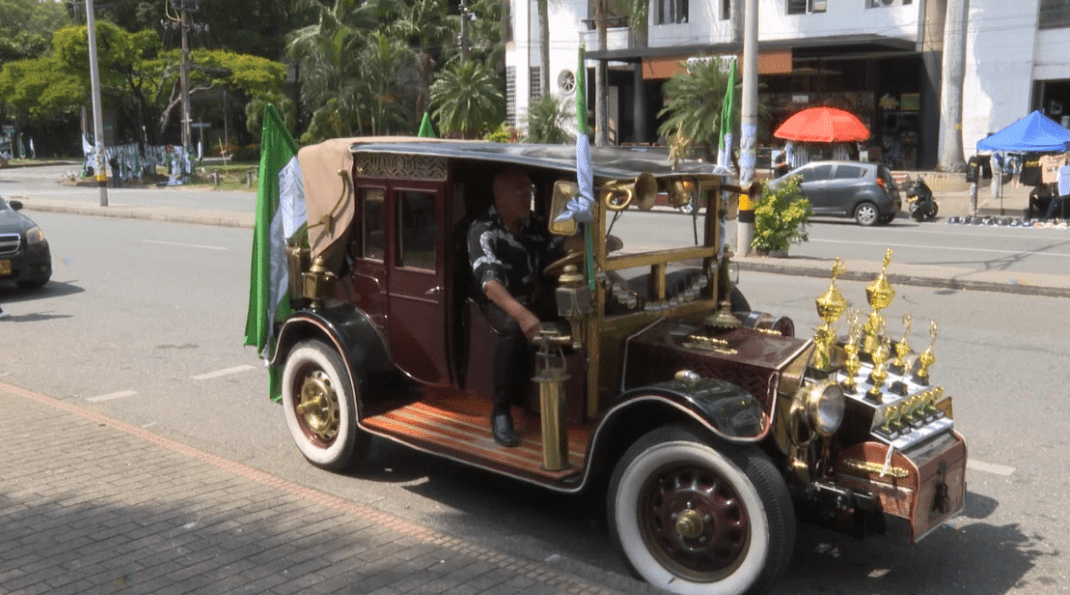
{"type": "Point", "coordinates": [865, 191]}
{"type": "Point", "coordinates": [24, 254]}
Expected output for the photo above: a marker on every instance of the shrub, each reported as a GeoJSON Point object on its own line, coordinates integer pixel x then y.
{"type": "Point", "coordinates": [781, 216]}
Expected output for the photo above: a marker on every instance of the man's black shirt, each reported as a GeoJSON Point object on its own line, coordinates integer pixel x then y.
{"type": "Point", "coordinates": [514, 261]}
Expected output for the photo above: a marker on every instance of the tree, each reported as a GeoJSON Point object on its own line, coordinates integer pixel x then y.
{"type": "Point", "coordinates": [41, 89]}
{"type": "Point", "coordinates": [546, 116]}
{"type": "Point", "coordinates": [694, 100]}
{"type": "Point", "coordinates": [467, 99]}
{"type": "Point", "coordinates": [426, 26]}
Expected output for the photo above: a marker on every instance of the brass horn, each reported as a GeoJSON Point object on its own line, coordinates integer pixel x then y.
{"type": "Point", "coordinates": [618, 194]}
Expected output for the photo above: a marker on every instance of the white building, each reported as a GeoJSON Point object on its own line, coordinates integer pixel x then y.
{"type": "Point", "coordinates": [880, 59]}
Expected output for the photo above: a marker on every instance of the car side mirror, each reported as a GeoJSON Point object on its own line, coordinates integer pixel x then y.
{"type": "Point", "coordinates": [564, 191]}
{"type": "Point", "coordinates": [16, 205]}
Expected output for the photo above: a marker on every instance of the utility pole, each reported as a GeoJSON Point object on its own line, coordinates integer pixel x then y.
{"type": "Point", "coordinates": [100, 167]}
{"type": "Point", "coordinates": [748, 137]}
{"type": "Point", "coordinates": [184, 25]}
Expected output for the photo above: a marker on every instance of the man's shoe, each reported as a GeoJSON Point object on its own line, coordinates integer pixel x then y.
{"type": "Point", "coordinates": [501, 426]}
{"type": "Point", "coordinates": [4, 314]}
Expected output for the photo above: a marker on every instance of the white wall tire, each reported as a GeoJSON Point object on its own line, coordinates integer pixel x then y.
{"type": "Point", "coordinates": [319, 404]}
{"type": "Point", "coordinates": [690, 519]}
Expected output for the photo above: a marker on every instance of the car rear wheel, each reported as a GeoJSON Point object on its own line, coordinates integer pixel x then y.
{"type": "Point", "coordinates": [692, 519]}
{"type": "Point", "coordinates": [319, 404]}
{"type": "Point", "coordinates": [867, 213]}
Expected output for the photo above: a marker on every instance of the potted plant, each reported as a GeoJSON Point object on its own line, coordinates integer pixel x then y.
{"type": "Point", "coordinates": [780, 218]}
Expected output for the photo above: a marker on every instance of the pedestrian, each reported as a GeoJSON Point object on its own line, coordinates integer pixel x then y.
{"type": "Point", "coordinates": [780, 167]}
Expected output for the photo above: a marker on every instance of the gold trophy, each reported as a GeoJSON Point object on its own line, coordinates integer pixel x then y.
{"type": "Point", "coordinates": [902, 348]}
{"type": "Point", "coordinates": [851, 347]}
{"type": "Point", "coordinates": [830, 307]}
{"type": "Point", "coordinates": [879, 294]}
{"type": "Point", "coordinates": [927, 358]}
{"type": "Point", "coordinates": [879, 374]}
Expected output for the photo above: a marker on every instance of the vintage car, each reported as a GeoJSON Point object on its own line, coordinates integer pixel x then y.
{"type": "Point", "coordinates": [709, 429]}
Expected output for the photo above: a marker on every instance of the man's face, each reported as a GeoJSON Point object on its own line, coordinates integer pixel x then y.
{"type": "Point", "coordinates": [512, 197]}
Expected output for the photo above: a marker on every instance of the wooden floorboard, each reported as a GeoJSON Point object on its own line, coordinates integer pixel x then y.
{"type": "Point", "coordinates": [458, 425]}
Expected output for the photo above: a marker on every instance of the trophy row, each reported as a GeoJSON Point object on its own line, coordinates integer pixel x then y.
{"type": "Point", "coordinates": [870, 340]}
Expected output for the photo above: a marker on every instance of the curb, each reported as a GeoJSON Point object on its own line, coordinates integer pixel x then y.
{"type": "Point", "coordinates": [758, 265]}
{"type": "Point", "coordinates": [822, 271]}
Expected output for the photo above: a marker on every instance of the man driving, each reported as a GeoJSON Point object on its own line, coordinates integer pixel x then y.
{"type": "Point", "coordinates": [508, 248]}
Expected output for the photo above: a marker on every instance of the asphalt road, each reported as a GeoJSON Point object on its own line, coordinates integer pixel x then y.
{"type": "Point", "coordinates": [144, 320]}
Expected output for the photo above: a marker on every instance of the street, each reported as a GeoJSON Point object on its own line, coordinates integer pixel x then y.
{"type": "Point", "coordinates": [143, 322]}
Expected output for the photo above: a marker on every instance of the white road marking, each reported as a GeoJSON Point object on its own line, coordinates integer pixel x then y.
{"type": "Point", "coordinates": [944, 248]}
{"type": "Point", "coordinates": [989, 467]}
{"type": "Point", "coordinates": [219, 373]}
{"type": "Point", "coordinates": [183, 244]}
{"type": "Point", "coordinates": [110, 396]}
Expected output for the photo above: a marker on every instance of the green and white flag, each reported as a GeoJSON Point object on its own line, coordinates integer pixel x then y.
{"type": "Point", "coordinates": [280, 210]}
{"type": "Point", "coordinates": [724, 146]}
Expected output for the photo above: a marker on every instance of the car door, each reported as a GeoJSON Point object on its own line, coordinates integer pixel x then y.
{"type": "Point", "coordinates": [847, 180]}
{"type": "Point", "coordinates": [416, 279]}
{"type": "Point", "coordinates": [815, 186]}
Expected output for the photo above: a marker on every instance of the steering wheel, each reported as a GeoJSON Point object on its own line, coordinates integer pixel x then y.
{"type": "Point", "coordinates": [555, 267]}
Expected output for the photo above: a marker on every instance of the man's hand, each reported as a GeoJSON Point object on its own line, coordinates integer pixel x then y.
{"type": "Point", "coordinates": [529, 323]}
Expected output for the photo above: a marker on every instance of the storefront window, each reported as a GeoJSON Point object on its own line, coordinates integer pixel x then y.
{"type": "Point", "coordinates": [1053, 14]}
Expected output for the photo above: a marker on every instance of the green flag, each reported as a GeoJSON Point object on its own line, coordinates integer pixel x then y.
{"type": "Point", "coordinates": [727, 109]}
{"type": "Point", "coordinates": [266, 302]}
{"type": "Point", "coordinates": [426, 130]}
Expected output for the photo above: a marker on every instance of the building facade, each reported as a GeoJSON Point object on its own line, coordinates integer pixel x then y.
{"type": "Point", "coordinates": [880, 59]}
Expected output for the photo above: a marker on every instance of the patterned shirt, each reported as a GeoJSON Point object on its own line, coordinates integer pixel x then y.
{"type": "Point", "coordinates": [515, 261]}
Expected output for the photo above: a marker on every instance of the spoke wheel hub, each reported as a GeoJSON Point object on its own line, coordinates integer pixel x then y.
{"type": "Point", "coordinates": [695, 522]}
{"type": "Point", "coordinates": [317, 408]}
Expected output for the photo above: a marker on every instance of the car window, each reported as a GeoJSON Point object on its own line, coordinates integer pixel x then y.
{"type": "Point", "coordinates": [373, 243]}
{"type": "Point", "coordinates": [817, 173]}
{"type": "Point", "coordinates": [849, 172]}
{"type": "Point", "coordinates": [419, 230]}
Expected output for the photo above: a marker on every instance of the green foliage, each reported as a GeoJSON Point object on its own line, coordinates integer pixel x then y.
{"type": "Point", "coordinates": [504, 134]}
{"type": "Point", "coordinates": [694, 100]}
{"type": "Point", "coordinates": [41, 89]}
{"type": "Point", "coordinates": [32, 17]}
{"type": "Point", "coordinates": [545, 116]}
{"type": "Point", "coordinates": [781, 216]}
{"type": "Point", "coordinates": [467, 99]}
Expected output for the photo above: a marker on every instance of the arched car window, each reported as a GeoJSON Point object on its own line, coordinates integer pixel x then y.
{"type": "Point", "coordinates": [849, 172]}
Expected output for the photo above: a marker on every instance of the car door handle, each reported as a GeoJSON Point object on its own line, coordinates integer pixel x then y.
{"type": "Point", "coordinates": [433, 290]}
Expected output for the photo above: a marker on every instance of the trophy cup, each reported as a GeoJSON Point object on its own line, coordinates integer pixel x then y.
{"type": "Point", "coordinates": [927, 358]}
{"type": "Point", "coordinates": [830, 307]}
{"type": "Point", "coordinates": [902, 348]}
{"type": "Point", "coordinates": [879, 294]}
{"type": "Point", "coordinates": [851, 347]}
{"type": "Point", "coordinates": [879, 374]}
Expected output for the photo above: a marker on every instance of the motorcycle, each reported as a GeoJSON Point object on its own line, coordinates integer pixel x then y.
{"type": "Point", "coordinates": [920, 201]}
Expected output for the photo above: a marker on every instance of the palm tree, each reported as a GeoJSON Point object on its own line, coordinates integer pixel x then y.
{"type": "Point", "coordinates": [694, 104]}
{"type": "Point", "coordinates": [467, 99]}
{"type": "Point", "coordinates": [384, 62]}
{"type": "Point", "coordinates": [952, 73]}
{"type": "Point", "coordinates": [546, 117]}
{"type": "Point", "coordinates": [426, 23]}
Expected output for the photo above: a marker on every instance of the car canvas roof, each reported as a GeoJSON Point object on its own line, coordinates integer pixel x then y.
{"type": "Point", "coordinates": [321, 164]}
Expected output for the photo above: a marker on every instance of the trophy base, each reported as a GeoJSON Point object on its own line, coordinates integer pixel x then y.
{"type": "Point", "coordinates": [900, 388]}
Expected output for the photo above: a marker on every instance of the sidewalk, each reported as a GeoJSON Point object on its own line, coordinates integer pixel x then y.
{"type": "Point", "coordinates": [1013, 203]}
{"type": "Point", "coordinates": [101, 506]}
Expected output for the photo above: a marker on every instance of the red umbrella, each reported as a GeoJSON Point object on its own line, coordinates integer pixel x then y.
{"type": "Point", "coordinates": [822, 125]}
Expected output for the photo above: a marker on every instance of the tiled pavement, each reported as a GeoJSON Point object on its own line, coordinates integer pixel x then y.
{"type": "Point", "coordinates": [92, 505]}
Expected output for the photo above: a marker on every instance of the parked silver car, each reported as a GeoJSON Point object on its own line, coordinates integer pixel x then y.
{"type": "Point", "coordinates": [865, 191]}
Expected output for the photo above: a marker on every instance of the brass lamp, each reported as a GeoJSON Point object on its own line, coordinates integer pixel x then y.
{"type": "Point", "coordinates": [573, 301]}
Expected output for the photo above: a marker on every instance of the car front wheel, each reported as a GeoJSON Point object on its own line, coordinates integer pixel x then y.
{"type": "Point", "coordinates": [867, 213]}
{"type": "Point", "coordinates": [691, 519]}
{"type": "Point", "coordinates": [319, 404]}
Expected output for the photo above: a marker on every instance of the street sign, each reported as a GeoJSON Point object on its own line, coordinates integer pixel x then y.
{"type": "Point", "coordinates": [200, 125]}
{"type": "Point", "coordinates": [9, 129]}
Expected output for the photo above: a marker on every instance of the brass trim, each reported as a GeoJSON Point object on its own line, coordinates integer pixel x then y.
{"type": "Point", "coordinates": [875, 468]}
{"type": "Point", "coordinates": [627, 261]}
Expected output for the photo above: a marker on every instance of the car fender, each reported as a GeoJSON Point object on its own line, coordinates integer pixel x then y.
{"type": "Point", "coordinates": [866, 196]}
{"type": "Point", "coordinates": [353, 335]}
